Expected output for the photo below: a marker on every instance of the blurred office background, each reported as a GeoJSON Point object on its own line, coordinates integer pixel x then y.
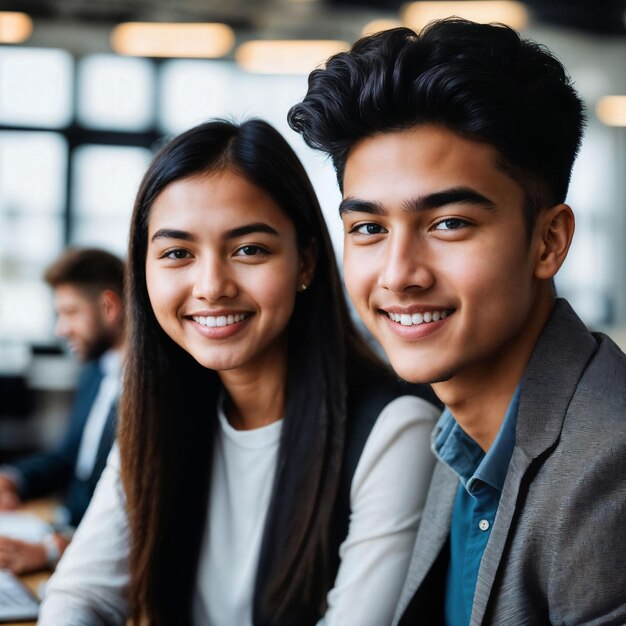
{"type": "Point", "coordinates": [89, 89]}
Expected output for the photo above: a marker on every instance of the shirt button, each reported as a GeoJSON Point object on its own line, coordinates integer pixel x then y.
{"type": "Point", "coordinates": [483, 524]}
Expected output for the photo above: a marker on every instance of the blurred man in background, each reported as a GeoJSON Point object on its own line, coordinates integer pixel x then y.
{"type": "Point", "coordinates": [88, 296]}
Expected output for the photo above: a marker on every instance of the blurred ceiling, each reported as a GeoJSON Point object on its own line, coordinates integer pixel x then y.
{"type": "Point", "coordinates": [83, 25]}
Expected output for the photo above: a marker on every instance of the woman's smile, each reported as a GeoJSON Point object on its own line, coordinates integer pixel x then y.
{"type": "Point", "coordinates": [220, 326]}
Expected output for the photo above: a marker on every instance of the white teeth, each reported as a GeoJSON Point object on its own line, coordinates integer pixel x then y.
{"type": "Point", "coordinates": [221, 320]}
{"type": "Point", "coordinates": [418, 318]}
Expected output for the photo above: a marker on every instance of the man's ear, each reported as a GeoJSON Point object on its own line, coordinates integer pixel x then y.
{"type": "Point", "coordinates": [111, 306]}
{"type": "Point", "coordinates": [553, 235]}
{"type": "Point", "coordinates": [308, 256]}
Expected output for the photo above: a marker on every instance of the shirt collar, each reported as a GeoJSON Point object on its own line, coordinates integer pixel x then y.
{"type": "Point", "coordinates": [466, 458]}
{"type": "Point", "coordinates": [110, 363]}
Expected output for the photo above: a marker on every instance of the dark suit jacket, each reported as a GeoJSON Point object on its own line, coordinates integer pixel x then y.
{"type": "Point", "coordinates": [557, 550]}
{"type": "Point", "coordinates": [54, 470]}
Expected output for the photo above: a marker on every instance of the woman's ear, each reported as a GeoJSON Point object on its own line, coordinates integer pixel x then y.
{"type": "Point", "coordinates": [553, 235]}
{"type": "Point", "coordinates": [308, 257]}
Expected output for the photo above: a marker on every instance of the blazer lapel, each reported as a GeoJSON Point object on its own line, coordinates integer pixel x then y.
{"type": "Point", "coordinates": [555, 367]}
{"type": "Point", "coordinates": [105, 444]}
{"type": "Point", "coordinates": [432, 534]}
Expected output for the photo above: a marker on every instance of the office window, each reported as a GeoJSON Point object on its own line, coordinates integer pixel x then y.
{"type": "Point", "coordinates": [35, 87]}
{"type": "Point", "coordinates": [106, 179]}
{"type": "Point", "coordinates": [587, 276]}
{"type": "Point", "coordinates": [269, 97]}
{"type": "Point", "coordinates": [191, 92]}
{"type": "Point", "coordinates": [32, 199]}
{"type": "Point", "coordinates": [32, 172]}
{"type": "Point", "coordinates": [26, 311]}
{"type": "Point", "coordinates": [115, 93]}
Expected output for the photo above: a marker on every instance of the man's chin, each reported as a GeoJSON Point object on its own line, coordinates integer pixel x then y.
{"type": "Point", "coordinates": [422, 375]}
{"type": "Point", "coordinates": [91, 352]}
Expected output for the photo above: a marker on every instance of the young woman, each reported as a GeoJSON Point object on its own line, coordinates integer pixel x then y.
{"type": "Point", "coordinates": [272, 473]}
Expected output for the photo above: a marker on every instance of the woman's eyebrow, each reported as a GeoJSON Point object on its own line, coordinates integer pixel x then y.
{"type": "Point", "coordinates": [171, 233]}
{"type": "Point", "coordinates": [249, 229]}
{"type": "Point", "coordinates": [233, 233]}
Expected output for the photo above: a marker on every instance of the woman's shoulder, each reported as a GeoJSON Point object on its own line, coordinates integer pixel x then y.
{"type": "Point", "coordinates": [368, 399]}
{"type": "Point", "coordinates": [378, 410]}
{"type": "Point", "coordinates": [389, 427]}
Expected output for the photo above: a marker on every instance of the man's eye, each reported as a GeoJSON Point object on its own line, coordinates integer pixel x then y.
{"type": "Point", "coordinates": [368, 229]}
{"type": "Point", "coordinates": [451, 223]}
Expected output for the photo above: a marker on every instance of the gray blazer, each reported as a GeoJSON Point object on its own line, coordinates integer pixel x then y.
{"type": "Point", "coordinates": [557, 550]}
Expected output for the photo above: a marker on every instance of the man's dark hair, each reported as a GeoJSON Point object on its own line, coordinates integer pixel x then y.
{"type": "Point", "coordinates": [480, 81]}
{"type": "Point", "coordinates": [90, 269]}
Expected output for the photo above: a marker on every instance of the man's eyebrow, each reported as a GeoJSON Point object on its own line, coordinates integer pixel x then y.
{"type": "Point", "coordinates": [249, 229]}
{"type": "Point", "coordinates": [171, 233]}
{"type": "Point", "coordinates": [455, 195]}
{"type": "Point", "coordinates": [352, 205]}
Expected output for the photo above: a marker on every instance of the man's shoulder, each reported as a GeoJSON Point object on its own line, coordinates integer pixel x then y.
{"type": "Point", "coordinates": [575, 371]}
{"type": "Point", "coordinates": [592, 442]}
{"type": "Point", "coordinates": [88, 373]}
{"type": "Point", "coordinates": [597, 410]}
{"type": "Point", "coordinates": [605, 374]}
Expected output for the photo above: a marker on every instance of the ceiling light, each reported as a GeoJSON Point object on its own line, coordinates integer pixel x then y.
{"type": "Point", "coordinates": [172, 40]}
{"type": "Point", "coordinates": [376, 26]}
{"type": "Point", "coordinates": [417, 14]}
{"type": "Point", "coordinates": [14, 27]}
{"type": "Point", "coordinates": [286, 57]}
{"type": "Point", "coordinates": [611, 110]}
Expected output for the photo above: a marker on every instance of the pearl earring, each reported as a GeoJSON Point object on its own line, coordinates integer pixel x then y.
{"type": "Point", "coordinates": [303, 287]}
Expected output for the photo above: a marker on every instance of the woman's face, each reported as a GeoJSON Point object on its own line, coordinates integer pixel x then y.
{"type": "Point", "coordinates": [223, 269]}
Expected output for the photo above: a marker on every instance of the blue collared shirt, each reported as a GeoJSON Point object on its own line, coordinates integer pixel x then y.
{"type": "Point", "coordinates": [481, 481]}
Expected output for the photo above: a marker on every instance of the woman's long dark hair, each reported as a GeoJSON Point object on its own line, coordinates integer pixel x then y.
{"type": "Point", "coordinates": [168, 412]}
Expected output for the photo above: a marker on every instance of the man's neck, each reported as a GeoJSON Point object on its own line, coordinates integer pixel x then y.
{"type": "Point", "coordinates": [480, 411]}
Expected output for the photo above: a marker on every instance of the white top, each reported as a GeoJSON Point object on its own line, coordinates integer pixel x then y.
{"type": "Point", "coordinates": [241, 487]}
{"type": "Point", "coordinates": [387, 496]}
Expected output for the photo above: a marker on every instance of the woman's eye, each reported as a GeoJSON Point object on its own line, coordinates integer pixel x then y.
{"type": "Point", "coordinates": [250, 250]}
{"type": "Point", "coordinates": [178, 253]}
{"type": "Point", "coordinates": [368, 229]}
{"type": "Point", "coordinates": [451, 223]}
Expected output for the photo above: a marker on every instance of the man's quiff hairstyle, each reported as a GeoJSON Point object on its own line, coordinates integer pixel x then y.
{"type": "Point", "coordinates": [90, 269]}
{"type": "Point", "coordinates": [480, 81]}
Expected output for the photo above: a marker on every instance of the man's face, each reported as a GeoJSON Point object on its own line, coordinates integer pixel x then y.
{"type": "Point", "coordinates": [437, 258]}
{"type": "Point", "coordinates": [81, 321]}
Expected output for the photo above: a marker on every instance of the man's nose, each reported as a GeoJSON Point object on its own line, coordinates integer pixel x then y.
{"type": "Point", "coordinates": [406, 264]}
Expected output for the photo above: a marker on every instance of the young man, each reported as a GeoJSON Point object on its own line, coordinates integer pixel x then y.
{"type": "Point", "coordinates": [453, 150]}
{"type": "Point", "coordinates": [88, 292]}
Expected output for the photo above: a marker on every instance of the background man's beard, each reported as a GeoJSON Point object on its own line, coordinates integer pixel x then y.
{"type": "Point", "coordinates": [98, 346]}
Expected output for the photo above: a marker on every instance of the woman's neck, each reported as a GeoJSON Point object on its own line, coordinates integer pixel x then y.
{"type": "Point", "coordinates": [255, 396]}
